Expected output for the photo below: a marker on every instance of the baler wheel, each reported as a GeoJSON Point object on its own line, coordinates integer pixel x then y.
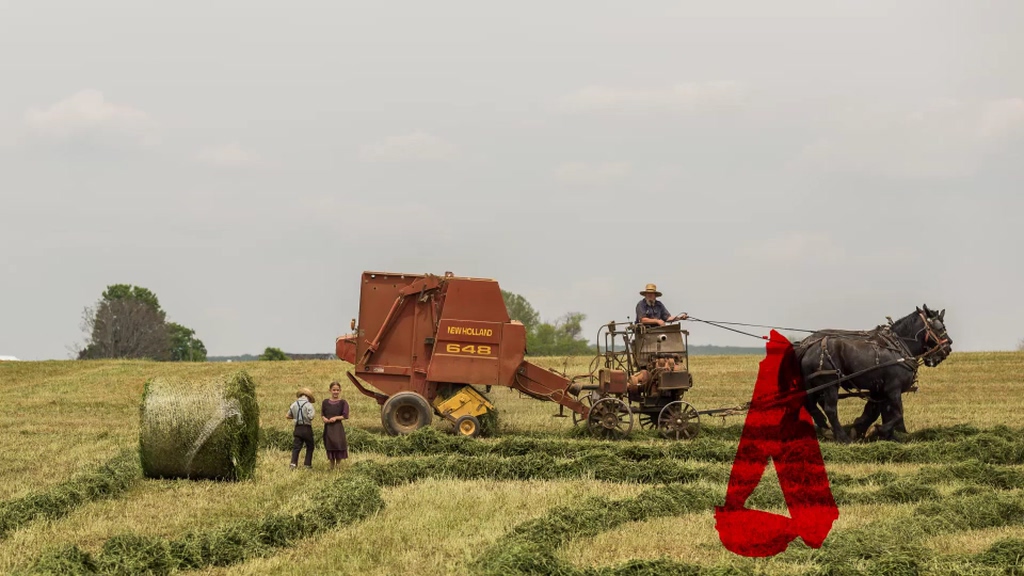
{"type": "Point", "coordinates": [610, 418]}
{"type": "Point", "coordinates": [467, 425]}
{"type": "Point", "coordinates": [405, 413]}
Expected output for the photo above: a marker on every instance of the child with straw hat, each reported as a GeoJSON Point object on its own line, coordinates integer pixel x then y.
{"type": "Point", "coordinates": [302, 412]}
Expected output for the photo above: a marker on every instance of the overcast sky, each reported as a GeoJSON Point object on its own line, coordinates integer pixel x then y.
{"type": "Point", "coordinates": [810, 164]}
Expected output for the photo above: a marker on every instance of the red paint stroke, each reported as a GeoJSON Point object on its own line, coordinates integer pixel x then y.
{"type": "Point", "coordinates": [779, 427]}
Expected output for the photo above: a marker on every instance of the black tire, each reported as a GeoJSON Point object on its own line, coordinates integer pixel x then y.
{"type": "Point", "coordinates": [405, 413]}
{"type": "Point", "coordinates": [467, 425]}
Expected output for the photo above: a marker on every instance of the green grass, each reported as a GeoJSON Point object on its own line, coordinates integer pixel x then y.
{"type": "Point", "coordinates": [946, 498]}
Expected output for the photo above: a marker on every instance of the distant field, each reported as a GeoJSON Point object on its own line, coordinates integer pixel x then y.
{"type": "Point", "coordinates": [950, 499]}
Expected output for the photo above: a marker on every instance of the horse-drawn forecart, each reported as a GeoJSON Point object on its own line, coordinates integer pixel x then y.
{"type": "Point", "coordinates": [430, 343]}
{"type": "Point", "coordinates": [649, 374]}
{"type": "Point", "coordinates": [644, 379]}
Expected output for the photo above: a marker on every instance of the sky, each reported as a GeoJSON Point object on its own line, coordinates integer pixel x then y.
{"type": "Point", "coordinates": [798, 163]}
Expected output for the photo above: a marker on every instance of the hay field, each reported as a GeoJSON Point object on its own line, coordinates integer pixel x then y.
{"type": "Point", "coordinates": [537, 499]}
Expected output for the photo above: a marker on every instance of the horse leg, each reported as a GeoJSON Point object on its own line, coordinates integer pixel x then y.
{"type": "Point", "coordinates": [901, 424]}
{"type": "Point", "coordinates": [830, 402]}
{"type": "Point", "coordinates": [820, 423]}
{"type": "Point", "coordinates": [872, 410]}
{"type": "Point", "coordinates": [892, 413]}
{"type": "Point", "coordinates": [811, 401]}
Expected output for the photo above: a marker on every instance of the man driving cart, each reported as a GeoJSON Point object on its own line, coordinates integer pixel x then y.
{"type": "Point", "coordinates": [651, 311]}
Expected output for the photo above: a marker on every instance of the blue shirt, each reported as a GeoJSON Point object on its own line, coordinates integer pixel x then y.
{"type": "Point", "coordinates": [657, 310]}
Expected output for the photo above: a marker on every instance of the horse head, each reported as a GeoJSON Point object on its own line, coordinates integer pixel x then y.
{"type": "Point", "coordinates": [933, 337]}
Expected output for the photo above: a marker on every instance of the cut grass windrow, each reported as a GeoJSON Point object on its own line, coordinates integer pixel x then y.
{"type": "Point", "coordinates": [110, 479]}
{"type": "Point", "coordinates": [597, 466]}
{"type": "Point", "coordinates": [532, 547]}
{"type": "Point", "coordinates": [343, 501]}
{"type": "Point", "coordinates": [954, 433]}
{"type": "Point", "coordinates": [989, 447]}
{"type": "Point", "coordinates": [892, 546]}
{"type": "Point", "coordinates": [1007, 553]}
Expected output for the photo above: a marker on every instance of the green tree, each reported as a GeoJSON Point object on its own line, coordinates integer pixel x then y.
{"type": "Point", "coordinates": [127, 291]}
{"type": "Point", "coordinates": [185, 347]}
{"type": "Point", "coordinates": [561, 338]}
{"type": "Point", "coordinates": [521, 310]}
{"type": "Point", "coordinates": [128, 322]}
{"type": "Point", "coordinates": [273, 354]}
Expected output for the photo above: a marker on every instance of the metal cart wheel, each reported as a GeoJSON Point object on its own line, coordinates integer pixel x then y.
{"type": "Point", "coordinates": [647, 420]}
{"type": "Point", "coordinates": [679, 420]}
{"type": "Point", "coordinates": [610, 418]}
{"type": "Point", "coordinates": [588, 400]}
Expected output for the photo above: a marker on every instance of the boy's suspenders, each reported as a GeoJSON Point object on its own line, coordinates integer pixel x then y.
{"type": "Point", "coordinates": [300, 416]}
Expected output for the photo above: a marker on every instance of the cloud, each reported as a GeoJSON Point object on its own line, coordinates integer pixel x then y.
{"type": "Point", "coordinates": [793, 248]}
{"type": "Point", "coordinates": [941, 138]}
{"type": "Point", "coordinates": [228, 156]}
{"type": "Point", "coordinates": [685, 97]}
{"type": "Point", "coordinates": [87, 117]}
{"type": "Point", "coordinates": [417, 146]}
{"type": "Point", "coordinates": [823, 252]}
{"type": "Point", "coordinates": [586, 174]}
{"type": "Point", "coordinates": [1002, 119]}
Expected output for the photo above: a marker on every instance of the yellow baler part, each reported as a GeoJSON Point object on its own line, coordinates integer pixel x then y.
{"type": "Point", "coordinates": [465, 401]}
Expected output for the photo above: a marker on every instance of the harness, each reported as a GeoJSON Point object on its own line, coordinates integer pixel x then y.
{"type": "Point", "coordinates": [930, 332]}
{"type": "Point", "coordinates": [889, 341]}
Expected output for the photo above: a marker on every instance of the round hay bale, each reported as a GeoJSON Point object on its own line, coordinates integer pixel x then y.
{"type": "Point", "coordinates": [205, 429]}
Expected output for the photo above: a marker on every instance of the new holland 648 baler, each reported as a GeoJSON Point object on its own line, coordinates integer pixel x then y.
{"type": "Point", "coordinates": [426, 341]}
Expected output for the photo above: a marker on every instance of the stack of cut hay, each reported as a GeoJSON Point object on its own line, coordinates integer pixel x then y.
{"type": "Point", "coordinates": [206, 429]}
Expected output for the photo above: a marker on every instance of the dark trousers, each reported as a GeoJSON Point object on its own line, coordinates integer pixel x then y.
{"type": "Point", "coordinates": [303, 437]}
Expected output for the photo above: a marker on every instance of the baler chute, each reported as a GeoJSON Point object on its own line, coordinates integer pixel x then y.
{"type": "Point", "coordinates": [427, 341]}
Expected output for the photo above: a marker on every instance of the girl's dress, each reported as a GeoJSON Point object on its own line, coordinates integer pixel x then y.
{"type": "Point", "coordinates": [334, 433]}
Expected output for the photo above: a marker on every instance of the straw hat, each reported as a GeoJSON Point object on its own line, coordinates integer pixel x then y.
{"type": "Point", "coordinates": [305, 392]}
{"type": "Point", "coordinates": [650, 288]}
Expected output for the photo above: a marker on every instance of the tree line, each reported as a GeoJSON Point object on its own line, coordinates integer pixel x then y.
{"type": "Point", "coordinates": [127, 322]}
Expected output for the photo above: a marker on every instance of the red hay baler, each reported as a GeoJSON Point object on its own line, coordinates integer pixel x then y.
{"type": "Point", "coordinates": [424, 341]}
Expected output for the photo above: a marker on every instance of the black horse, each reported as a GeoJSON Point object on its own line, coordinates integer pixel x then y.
{"type": "Point", "coordinates": [828, 355]}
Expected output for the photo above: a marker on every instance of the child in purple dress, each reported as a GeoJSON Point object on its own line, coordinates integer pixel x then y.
{"type": "Point", "coordinates": [334, 411]}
